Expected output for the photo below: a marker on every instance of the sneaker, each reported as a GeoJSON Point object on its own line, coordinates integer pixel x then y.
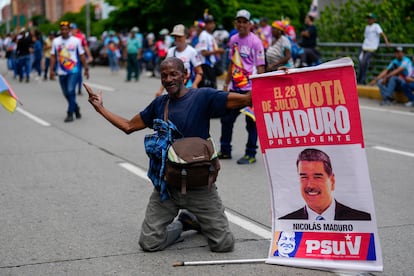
{"type": "Point", "coordinates": [297, 63]}
{"type": "Point", "coordinates": [409, 104]}
{"type": "Point", "coordinates": [189, 221]}
{"type": "Point", "coordinates": [245, 160]}
{"type": "Point", "coordinates": [385, 102]}
{"type": "Point", "coordinates": [221, 155]}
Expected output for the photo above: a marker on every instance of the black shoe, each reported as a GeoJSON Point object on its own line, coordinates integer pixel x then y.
{"type": "Point", "coordinates": [27, 80]}
{"type": "Point", "coordinates": [69, 118]}
{"type": "Point", "coordinates": [80, 93]}
{"type": "Point", "coordinates": [77, 113]}
{"type": "Point", "coordinates": [221, 155]}
{"type": "Point", "coordinates": [189, 221]}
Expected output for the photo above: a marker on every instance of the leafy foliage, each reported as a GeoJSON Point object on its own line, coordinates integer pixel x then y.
{"type": "Point", "coordinates": [337, 23]}
{"type": "Point", "coordinates": [346, 23]}
{"type": "Point", "coordinates": [157, 14]}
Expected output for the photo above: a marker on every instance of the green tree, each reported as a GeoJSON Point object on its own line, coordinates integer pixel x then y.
{"type": "Point", "coordinates": [157, 14]}
{"type": "Point", "coordinates": [346, 22]}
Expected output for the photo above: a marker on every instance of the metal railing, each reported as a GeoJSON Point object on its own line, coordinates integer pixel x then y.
{"type": "Point", "coordinates": [380, 60]}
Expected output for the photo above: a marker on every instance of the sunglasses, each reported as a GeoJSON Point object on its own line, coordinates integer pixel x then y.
{"type": "Point", "coordinates": [64, 23]}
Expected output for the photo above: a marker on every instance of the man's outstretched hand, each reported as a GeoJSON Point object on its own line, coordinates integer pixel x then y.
{"type": "Point", "coordinates": [94, 98]}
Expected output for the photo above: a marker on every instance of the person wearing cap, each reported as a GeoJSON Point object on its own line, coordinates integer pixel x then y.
{"type": "Point", "coordinates": [290, 30]}
{"type": "Point", "coordinates": [198, 27]}
{"type": "Point", "coordinates": [168, 40]}
{"type": "Point", "coordinates": [393, 77]}
{"type": "Point", "coordinates": [246, 56]}
{"type": "Point", "coordinates": [67, 52]}
{"type": "Point", "coordinates": [76, 32]}
{"type": "Point", "coordinates": [278, 54]}
{"type": "Point", "coordinates": [372, 34]}
{"type": "Point", "coordinates": [209, 52]}
{"type": "Point", "coordinates": [134, 54]}
{"type": "Point", "coordinates": [113, 51]}
{"type": "Point", "coordinates": [221, 36]}
{"type": "Point", "coordinates": [189, 56]}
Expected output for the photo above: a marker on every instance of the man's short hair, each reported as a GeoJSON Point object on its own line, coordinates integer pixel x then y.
{"type": "Point", "coordinates": [311, 17]}
{"type": "Point", "coordinates": [176, 61]}
{"type": "Point", "coordinates": [315, 155]}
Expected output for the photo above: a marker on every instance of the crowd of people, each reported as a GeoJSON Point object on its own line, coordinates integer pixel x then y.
{"type": "Point", "coordinates": [206, 51]}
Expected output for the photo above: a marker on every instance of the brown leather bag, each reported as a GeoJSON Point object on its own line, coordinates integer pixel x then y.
{"type": "Point", "coordinates": [191, 162]}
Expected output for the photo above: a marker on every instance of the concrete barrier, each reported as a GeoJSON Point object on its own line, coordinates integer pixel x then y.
{"type": "Point", "coordinates": [373, 92]}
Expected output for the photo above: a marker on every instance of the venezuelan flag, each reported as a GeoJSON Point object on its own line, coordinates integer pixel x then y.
{"type": "Point", "coordinates": [7, 97]}
{"type": "Point", "coordinates": [248, 111]}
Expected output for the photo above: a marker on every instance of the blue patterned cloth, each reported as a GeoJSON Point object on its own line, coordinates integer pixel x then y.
{"type": "Point", "coordinates": [156, 147]}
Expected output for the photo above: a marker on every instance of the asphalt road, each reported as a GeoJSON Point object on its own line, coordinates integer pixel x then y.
{"type": "Point", "coordinates": [73, 195]}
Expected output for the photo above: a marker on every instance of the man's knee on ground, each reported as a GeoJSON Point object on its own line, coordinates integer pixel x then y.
{"type": "Point", "coordinates": [226, 245]}
{"type": "Point", "coordinates": [150, 245]}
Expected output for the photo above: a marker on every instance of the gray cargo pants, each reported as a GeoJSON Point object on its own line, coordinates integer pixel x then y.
{"type": "Point", "coordinates": [159, 230]}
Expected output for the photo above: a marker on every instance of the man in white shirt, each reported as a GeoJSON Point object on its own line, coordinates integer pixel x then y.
{"type": "Point", "coordinates": [208, 49]}
{"type": "Point", "coordinates": [67, 52]}
{"type": "Point", "coordinates": [372, 34]}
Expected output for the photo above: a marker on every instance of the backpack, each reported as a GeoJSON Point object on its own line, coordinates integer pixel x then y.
{"type": "Point", "coordinates": [191, 162]}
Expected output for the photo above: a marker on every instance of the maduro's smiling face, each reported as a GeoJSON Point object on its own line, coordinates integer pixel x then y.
{"type": "Point", "coordinates": [316, 185]}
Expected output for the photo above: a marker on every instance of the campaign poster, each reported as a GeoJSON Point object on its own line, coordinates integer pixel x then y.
{"type": "Point", "coordinates": [310, 133]}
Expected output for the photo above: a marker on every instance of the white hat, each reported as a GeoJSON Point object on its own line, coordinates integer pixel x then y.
{"type": "Point", "coordinates": [243, 13]}
{"type": "Point", "coordinates": [135, 29]}
{"type": "Point", "coordinates": [164, 31]}
{"type": "Point", "coordinates": [179, 30]}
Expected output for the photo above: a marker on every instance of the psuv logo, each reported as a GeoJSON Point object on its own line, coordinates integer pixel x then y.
{"type": "Point", "coordinates": [349, 245]}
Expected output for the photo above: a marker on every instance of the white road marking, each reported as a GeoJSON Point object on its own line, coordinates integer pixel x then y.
{"type": "Point", "coordinates": [32, 117]}
{"type": "Point", "coordinates": [249, 226]}
{"type": "Point", "coordinates": [387, 110]}
{"type": "Point", "coordinates": [245, 224]}
{"type": "Point", "coordinates": [135, 170]}
{"type": "Point", "coordinates": [101, 87]}
{"type": "Point", "coordinates": [410, 154]}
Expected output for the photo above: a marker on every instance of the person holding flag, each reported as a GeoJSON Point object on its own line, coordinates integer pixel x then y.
{"type": "Point", "coordinates": [246, 56]}
{"type": "Point", "coordinates": [8, 99]}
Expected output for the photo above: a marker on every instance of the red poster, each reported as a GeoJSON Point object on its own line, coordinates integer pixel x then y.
{"type": "Point", "coordinates": [311, 138]}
